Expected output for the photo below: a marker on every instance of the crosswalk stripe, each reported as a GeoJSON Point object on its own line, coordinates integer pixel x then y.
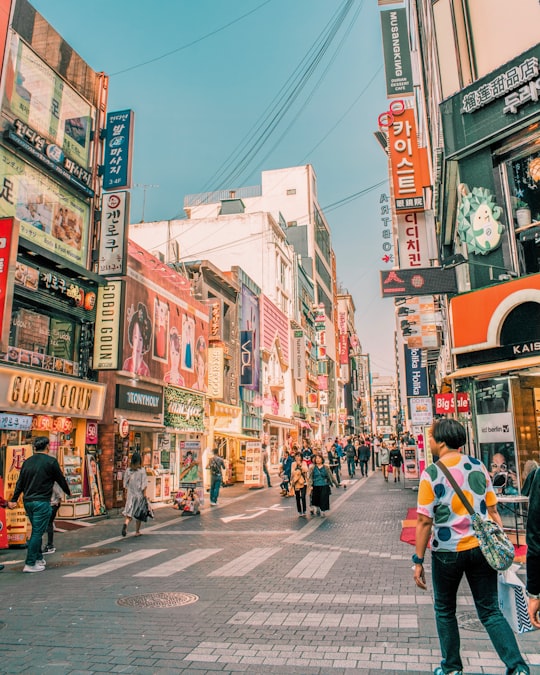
{"type": "Point", "coordinates": [239, 567]}
{"type": "Point", "coordinates": [117, 563]}
{"type": "Point", "coordinates": [178, 564]}
{"type": "Point", "coordinates": [314, 565]}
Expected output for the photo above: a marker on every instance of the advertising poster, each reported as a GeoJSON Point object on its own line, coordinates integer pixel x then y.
{"type": "Point", "coordinates": [421, 410]}
{"type": "Point", "coordinates": [9, 237]}
{"type": "Point", "coordinates": [50, 215]}
{"type": "Point", "coordinates": [95, 488]}
{"type": "Point", "coordinates": [183, 410]}
{"type": "Point", "coordinates": [3, 495]}
{"type": "Point", "coordinates": [411, 461]}
{"type": "Point", "coordinates": [250, 325]}
{"type": "Point", "coordinates": [16, 521]}
{"type": "Point", "coordinates": [165, 331]}
{"type": "Point", "coordinates": [41, 99]}
{"type": "Point", "coordinates": [190, 462]}
{"type": "Point", "coordinates": [253, 470]}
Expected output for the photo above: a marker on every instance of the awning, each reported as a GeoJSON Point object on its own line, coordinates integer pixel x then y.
{"type": "Point", "coordinates": [277, 421]}
{"type": "Point", "coordinates": [497, 367]}
{"type": "Point", "coordinates": [304, 424]}
{"type": "Point", "coordinates": [234, 434]}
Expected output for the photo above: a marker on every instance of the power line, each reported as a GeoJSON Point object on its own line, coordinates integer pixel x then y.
{"type": "Point", "coordinates": [192, 43]}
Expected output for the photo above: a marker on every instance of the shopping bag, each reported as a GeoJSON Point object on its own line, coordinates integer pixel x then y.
{"type": "Point", "coordinates": [513, 601]}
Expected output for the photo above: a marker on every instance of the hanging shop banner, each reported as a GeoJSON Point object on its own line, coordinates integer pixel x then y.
{"type": "Point", "coordinates": [397, 55]}
{"type": "Point", "coordinates": [250, 322]}
{"type": "Point", "coordinates": [410, 468]}
{"type": "Point", "coordinates": [183, 410]}
{"type": "Point", "coordinates": [50, 109]}
{"type": "Point", "coordinates": [421, 411]}
{"type": "Point", "coordinates": [343, 349]}
{"type": "Point", "coordinates": [107, 330]}
{"type": "Point", "coordinates": [50, 215]}
{"type": "Point", "coordinates": [408, 162]}
{"type": "Point", "coordinates": [428, 280]}
{"type": "Point", "coordinates": [274, 329]}
{"type": "Point", "coordinates": [418, 321]}
{"type": "Point", "coordinates": [445, 404]}
{"type": "Point", "coordinates": [415, 373]}
{"type": "Point", "coordinates": [412, 240]}
{"type": "Point", "coordinates": [114, 229]}
{"type": "Point", "coordinates": [215, 333]}
{"type": "Point", "coordinates": [254, 465]}
{"type": "Point", "coordinates": [495, 428]}
{"type": "Point", "coordinates": [216, 365]}
{"type": "Point", "coordinates": [118, 150]}
{"type": "Point", "coordinates": [299, 355]}
{"type": "Point", "coordinates": [246, 358]}
{"type": "Point", "coordinates": [386, 232]}
{"type": "Point", "coordinates": [165, 330]}
{"type": "Point", "coordinates": [16, 521]}
{"type": "Point", "coordinates": [9, 239]}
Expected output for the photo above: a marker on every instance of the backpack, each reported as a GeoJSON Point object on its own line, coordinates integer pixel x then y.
{"type": "Point", "coordinates": [215, 468]}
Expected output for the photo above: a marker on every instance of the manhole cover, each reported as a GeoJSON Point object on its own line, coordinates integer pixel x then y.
{"type": "Point", "coordinates": [90, 552]}
{"type": "Point", "coordinates": [470, 621]}
{"type": "Point", "coordinates": [158, 600]}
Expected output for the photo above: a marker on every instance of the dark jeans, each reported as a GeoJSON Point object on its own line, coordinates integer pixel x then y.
{"type": "Point", "coordinates": [215, 484]}
{"type": "Point", "coordinates": [364, 466]}
{"type": "Point", "coordinates": [351, 466]}
{"type": "Point", "coordinates": [301, 499]}
{"type": "Point", "coordinates": [335, 471]}
{"type": "Point", "coordinates": [267, 474]}
{"type": "Point", "coordinates": [38, 514]}
{"type": "Point", "coordinates": [50, 526]}
{"type": "Point", "coordinates": [447, 571]}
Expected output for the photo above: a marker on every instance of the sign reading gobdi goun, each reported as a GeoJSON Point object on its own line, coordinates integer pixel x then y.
{"type": "Point", "coordinates": [32, 393]}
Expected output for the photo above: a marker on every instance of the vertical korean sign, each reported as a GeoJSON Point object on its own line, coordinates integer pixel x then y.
{"type": "Point", "coordinates": [118, 150]}
{"type": "Point", "coordinates": [114, 229]}
{"type": "Point", "coordinates": [108, 320]}
{"type": "Point", "coordinates": [9, 238]}
{"type": "Point", "coordinates": [408, 161]}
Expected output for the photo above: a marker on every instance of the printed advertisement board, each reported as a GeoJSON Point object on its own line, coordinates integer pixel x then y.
{"type": "Point", "coordinates": [250, 321]}
{"type": "Point", "coordinates": [16, 521]}
{"type": "Point", "coordinates": [9, 238]}
{"type": "Point", "coordinates": [254, 466]}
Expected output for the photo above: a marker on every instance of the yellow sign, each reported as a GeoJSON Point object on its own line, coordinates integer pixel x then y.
{"type": "Point", "coordinates": [107, 333]}
{"type": "Point", "coordinates": [215, 372]}
{"type": "Point", "coordinates": [16, 521]}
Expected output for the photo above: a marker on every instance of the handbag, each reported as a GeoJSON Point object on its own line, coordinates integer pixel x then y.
{"type": "Point", "coordinates": [512, 601]}
{"type": "Point", "coordinates": [143, 510]}
{"type": "Point", "coordinates": [497, 548]}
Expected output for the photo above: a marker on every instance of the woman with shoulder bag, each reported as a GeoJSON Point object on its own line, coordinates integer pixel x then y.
{"type": "Point", "coordinates": [455, 550]}
{"type": "Point", "coordinates": [299, 472]}
{"type": "Point", "coordinates": [319, 480]}
{"type": "Point", "coordinates": [135, 482]}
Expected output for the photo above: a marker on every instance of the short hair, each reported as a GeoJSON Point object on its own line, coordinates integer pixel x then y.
{"type": "Point", "coordinates": [449, 431]}
{"type": "Point", "coordinates": [215, 451]}
{"type": "Point", "coordinates": [40, 443]}
{"type": "Point", "coordinates": [136, 460]}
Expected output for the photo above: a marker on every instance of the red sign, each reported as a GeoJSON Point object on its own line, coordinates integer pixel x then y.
{"type": "Point", "coordinates": [343, 348]}
{"type": "Point", "coordinates": [445, 403]}
{"type": "Point", "coordinates": [91, 432]}
{"type": "Point", "coordinates": [463, 403]}
{"type": "Point", "coordinates": [9, 234]}
{"type": "Point", "coordinates": [123, 427]}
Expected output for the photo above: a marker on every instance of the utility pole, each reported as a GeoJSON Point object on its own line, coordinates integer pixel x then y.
{"type": "Point", "coordinates": [145, 187]}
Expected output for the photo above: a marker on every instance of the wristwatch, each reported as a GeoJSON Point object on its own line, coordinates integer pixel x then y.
{"type": "Point", "coordinates": [416, 560]}
{"type": "Point", "coordinates": [533, 596]}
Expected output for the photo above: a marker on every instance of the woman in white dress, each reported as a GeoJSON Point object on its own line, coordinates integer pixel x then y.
{"type": "Point", "coordinates": [135, 482]}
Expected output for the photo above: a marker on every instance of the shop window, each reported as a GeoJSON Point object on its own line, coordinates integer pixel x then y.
{"type": "Point", "coordinates": [523, 174]}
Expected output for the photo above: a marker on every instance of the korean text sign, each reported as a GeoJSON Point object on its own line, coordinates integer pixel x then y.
{"type": "Point", "coordinates": [408, 162]}
{"type": "Point", "coordinates": [118, 150]}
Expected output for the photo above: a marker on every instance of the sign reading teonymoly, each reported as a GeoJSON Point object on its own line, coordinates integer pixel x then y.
{"type": "Point", "coordinates": [118, 150]}
{"type": "Point", "coordinates": [397, 57]}
{"type": "Point", "coordinates": [114, 227]}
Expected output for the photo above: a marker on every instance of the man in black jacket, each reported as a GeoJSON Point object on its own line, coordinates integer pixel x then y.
{"type": "Point", "coordinates": [531, 489]}
{"type": "Point", "coordinates": [38, 475]}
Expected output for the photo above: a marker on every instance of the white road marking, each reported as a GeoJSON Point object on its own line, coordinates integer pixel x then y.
{"type": "Point", "coordinates": [241, 566]}
{"type": "Point", "coordinates": [117, 563]}
{"type": "Point", "coordinates": [314, 565]}
{"type": "Point", "coordinates": [178, 564]}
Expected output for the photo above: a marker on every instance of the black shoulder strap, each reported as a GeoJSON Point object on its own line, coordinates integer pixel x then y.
{"type": "Point", "coordinates": [456, 487]}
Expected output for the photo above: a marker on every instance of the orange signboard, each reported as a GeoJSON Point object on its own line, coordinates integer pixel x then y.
{"type": "Point", "coordinates": [16, 522]}
{"type": "Point", "coordinates": [408, 161]}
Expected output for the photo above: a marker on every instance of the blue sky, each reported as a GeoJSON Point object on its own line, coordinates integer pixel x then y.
{"type": "Point", "coordinates": [194, 108]}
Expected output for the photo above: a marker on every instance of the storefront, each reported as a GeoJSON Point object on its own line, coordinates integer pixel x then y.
{"type": "Point", "coordinates": [498, 359]}
{"type": "Point", "coordinates": [277, 435]}
{"type": "Point", "coordinates": [64, 409]}
{"type": "Point", "coordinates": [225, 434]}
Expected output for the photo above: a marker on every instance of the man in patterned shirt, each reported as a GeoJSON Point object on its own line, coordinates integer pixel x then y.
{"type": "Point", "coordinates": [443, 519]}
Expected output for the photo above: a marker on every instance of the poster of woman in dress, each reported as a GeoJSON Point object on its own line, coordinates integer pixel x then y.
{"type": "Point", "coordinates": [161, 330]}
{"type": "Point", "coordinates": [140, 337]}
{"type": "Point", "coordinates": [173, 376]}
{"type": "Point", "coordinates": [188, 333]}
{"type": "Point", "coordinates": [200, 364]}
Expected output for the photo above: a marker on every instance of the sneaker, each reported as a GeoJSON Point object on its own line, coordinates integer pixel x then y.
{"type": "Point", "coordinates": [34, 568]}
{"type": "Point", "coordinates": [521, 671]}
{"type": "Point", "coordinates": [41, 563]}
{"type": "Point", "coordinates": [49, 549]}
{"type": "Point", "coordinates": [323, 514]}
{"type": "Point", "coordinates": [440, 671]}
{"type": "Point", "coordinates": [213, 503]}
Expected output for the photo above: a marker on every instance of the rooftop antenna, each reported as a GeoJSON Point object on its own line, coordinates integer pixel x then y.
{"type": "Point", "coordinates": [145, 187]}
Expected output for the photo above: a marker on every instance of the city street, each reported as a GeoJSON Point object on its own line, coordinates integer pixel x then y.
{"type": "Point", "coordinates": [247, 586]}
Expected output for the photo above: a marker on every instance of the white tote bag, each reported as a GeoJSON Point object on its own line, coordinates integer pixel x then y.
{"type": "Point", "coordinates": [513, 601]}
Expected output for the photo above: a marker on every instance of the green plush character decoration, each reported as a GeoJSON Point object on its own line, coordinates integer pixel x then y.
{"type": "Point", "coordinates": [478, 220]}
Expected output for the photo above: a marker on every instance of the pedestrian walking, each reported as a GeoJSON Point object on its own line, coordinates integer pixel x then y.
{"type": "Point", "coordinates": [334, 463]}
{"type": "Point", "coordinates": [38, 475]}
{"type": "Point", "coordinates": [384, 456]}
{"type": "Point", "coordinates": [265, 465]}
{"type": "Point", "coordinates": [531, 489]}
{"type": "Point", "coordinates": [135, 483]}
{"type": "Point", "coordinates": [307, 452]}
{"type": "Point", "coordinates": [216, 466]}
{"type": "Point", "coordinates": [319, 480]}
{"type": "Point", "coordinates": [455, 550]}
{"type": "Point", "coordinates": [396, 462]}
{"type": "Point", "coordinates": [56, 500]}
{"type": "Point", "coordinates": [364, 455]}
{"type": "Point", "coordinates": [299, 476]}
{"type": "Point", "coordinates": [376, 449]}
{"type": "Point", "coordinates": [350, 454]}
{"type": "Point", "coordinates": [285, 471]}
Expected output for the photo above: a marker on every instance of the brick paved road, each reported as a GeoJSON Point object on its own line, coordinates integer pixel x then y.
{"type": "Point", "coordinates": [276, 594]}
